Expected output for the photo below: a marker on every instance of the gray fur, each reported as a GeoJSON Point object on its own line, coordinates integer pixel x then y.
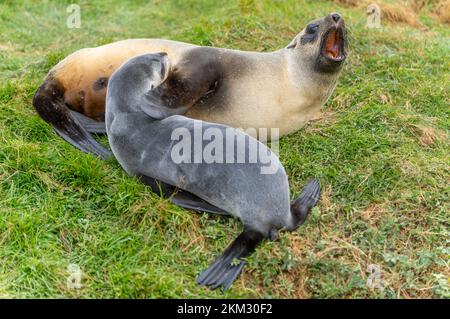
{"type": "Point", "coordinates": [142, 145]}
{"type": "Point", "coordinates": [140, 135]}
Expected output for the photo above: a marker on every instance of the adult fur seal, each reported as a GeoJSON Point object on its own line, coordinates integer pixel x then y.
{"type": "Point", "coordinates": [281, 89]}
{"type": "Point", "coordinates": [140, 133]}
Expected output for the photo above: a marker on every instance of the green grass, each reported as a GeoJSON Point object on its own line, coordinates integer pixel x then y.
{"type": "Point", "coordinates": [381, 151]}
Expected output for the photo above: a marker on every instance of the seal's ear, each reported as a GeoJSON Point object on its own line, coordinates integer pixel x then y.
{"type": "Point", "coordinates": [294, 42]}
{"type": "Point", "coordinates": [164, 65]}
{"type": "Point", "coordinates": [151, 101]}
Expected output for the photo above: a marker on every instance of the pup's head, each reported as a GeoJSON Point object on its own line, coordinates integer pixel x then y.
{"type": "Point", "coordinates": [135, 82]}
{"type": "Point", "coordinates": [154, 66]}
{"type": "Point", "coordinates": [322, 44]}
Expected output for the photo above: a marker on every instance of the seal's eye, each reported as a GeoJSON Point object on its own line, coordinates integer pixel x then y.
{"type": "Point", "coordinates": [312, 28]}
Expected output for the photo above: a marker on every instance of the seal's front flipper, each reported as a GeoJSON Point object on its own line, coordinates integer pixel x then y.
{"type": "Point", "coordinates": [48, 102]}
{"type": "Point", "coordinates": [190, 201]}
{"type": "Point", "coordinates": [92, 126]}
{"type": "Point", "coordinates": [226, 268]}
{"type": "Point", "coordinates": [180, 197]}
{"type": "Point", "coordinates": [82, 140]}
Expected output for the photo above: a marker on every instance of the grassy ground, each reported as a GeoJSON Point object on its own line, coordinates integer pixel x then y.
{"type": "Point", "coordinates": [380, 149]}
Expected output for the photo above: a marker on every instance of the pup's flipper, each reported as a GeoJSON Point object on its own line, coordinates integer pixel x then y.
{"type": "Point", "coordinates": [190, 201]}
{"type": "Point", "coordinates": [92, 126]}
{"type": "Point", "coordinates": [48, 102]}
{"type": "Point", "coordinates": [301, 207]}
{"type": "Point", "coordinates": [226, 268]}
{"type": "Point", "coordinates": [180, 197]}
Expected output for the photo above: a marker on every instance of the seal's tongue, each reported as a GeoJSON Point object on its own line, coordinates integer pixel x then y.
{"type": "Point", "coordinates": [332, 44]}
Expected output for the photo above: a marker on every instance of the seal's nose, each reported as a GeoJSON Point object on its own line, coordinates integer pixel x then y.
{"type": "Point", "coordinates": [335, 16]}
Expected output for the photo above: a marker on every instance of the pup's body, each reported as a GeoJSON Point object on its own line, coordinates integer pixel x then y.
{"type": "Point", "coordinates": [140, 134]}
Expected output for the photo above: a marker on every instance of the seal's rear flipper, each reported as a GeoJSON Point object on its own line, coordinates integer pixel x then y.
{"type": "Point", "coordinates": [92, 126]}
{"type": "Point", "coordinates": [48, 102]}
{"type": "Point", "coordinates": [225, 269]}
{"type": "Point", "coordinates": [180, 197]}
{"type": "Point", "coordinates": [301, 207]}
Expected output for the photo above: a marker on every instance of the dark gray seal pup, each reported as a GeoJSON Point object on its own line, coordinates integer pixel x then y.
{"type": "Point", "coordinates": [281, 89]}
{"type": "Point", "coordinates": [140, 131]}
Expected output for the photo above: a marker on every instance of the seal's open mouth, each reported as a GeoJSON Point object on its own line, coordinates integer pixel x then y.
{"type": "Point", "coordinates": [333, 45]}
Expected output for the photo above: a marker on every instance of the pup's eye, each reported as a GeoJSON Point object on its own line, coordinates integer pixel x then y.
{"type": "Point", "coordinates": [312, 28]}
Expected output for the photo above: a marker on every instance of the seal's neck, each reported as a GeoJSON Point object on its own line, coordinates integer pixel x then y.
{"type": "Point", "coordinates": [311, 87]}
{"type": "Point", "coordinates": [302, 72]}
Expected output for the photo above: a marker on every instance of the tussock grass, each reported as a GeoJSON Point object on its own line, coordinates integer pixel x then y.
{"type": "Point", "coordinates": [442, 11]}
{"type": "Point", "coordinates": [406, 11]}
{"type": "Point", "coordinates": [348, 3]}
{"type": "Point", "coordinates": [380, 149]}
{"type": "Point", "coordinates": [397, 13]}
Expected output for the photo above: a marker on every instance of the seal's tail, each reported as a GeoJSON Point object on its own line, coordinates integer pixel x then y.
{"type": "Point", "coordinates": [226, 268]}
{"type": "Point", "coordinates": [50, 106]}
{"type": "Point", "coordinates": [301, 207]}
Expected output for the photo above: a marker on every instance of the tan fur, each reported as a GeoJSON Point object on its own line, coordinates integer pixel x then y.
{"type": "Point", "coordinates": [267, 97]}
{"type": "Point", "coordinates": [79, 71]}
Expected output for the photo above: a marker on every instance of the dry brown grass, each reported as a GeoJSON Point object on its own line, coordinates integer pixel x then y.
{"type": "Point", "coordinates": [428, 135]}
{"type": "Point", "coordinates": [373, 212]}
{"type": "Point", "coordinates": [406, 11]}
{"type": "Point", "coordinates": [442, 11]}
{"type": "Point", "coordinates": [399, 13]}
{"type": "Point", "coordinates": [348, 3]}
{"type": "Point", "coordinates": [326, 201]}
{"type": "Point", "coordinates": [326, 116]}
{"type": "Point", "coordinates": [385, 98]}
{"type": "Point", "coordinates": [8, 46]}
{"type": "Point", "coordinates": [402, 12]}
{"type": "Point", "coordinates": [417, 5]}
{"type": "Point", "coordinates": [50, 182]}
{"type": "Point", "coordinates": [298, 274]}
